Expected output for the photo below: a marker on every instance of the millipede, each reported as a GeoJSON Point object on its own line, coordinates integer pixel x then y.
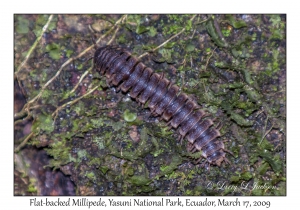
{"type": "Point", "coordinates": [164, 99]}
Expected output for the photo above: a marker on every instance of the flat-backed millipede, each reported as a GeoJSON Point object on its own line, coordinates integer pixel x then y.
{"type": "Point", "coordinates": [163, 98]}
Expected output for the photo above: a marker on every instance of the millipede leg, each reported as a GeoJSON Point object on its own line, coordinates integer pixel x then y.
{"type": "Point", "coordinates": [227, 161]}
{"type": "Point", "coordinates": [229, 152]}
{"type": "Point", "coordinates": [219, 126]}
{"type": "Point", "coordinates": [169, 126]}
{"type": "Point", "coordinates": [180, 139]}
{"type": "Point", "coordinates": [199, 159]}
{"type": "Point", "coordinates": [189, 147]}
{"type": "Point", "coordinates": [164, 99]}
{"type": "Point", "coordinates": [194, 150]}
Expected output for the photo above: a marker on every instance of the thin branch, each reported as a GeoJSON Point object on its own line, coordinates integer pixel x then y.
{"type": "Point", "coordinates": [22, 120]}
{"type": "Point", "coordinates": [54, 114]}
{"type": "Point", "coordinates": [81, 78]}
{"type": "Point", "coordinates": [164, 43]}
{"type": "Point", "coordinates": [34, 44]}
{"type": "Point", "coordinates": [24, 142]}
{"type": "Point", "coordinates": [87, 71]}
{"type": "Point", "coordinates": [19, 115]}
{"type": "Point", "coordinates": [266, 133]}
{"type": "Point", "coordinates": [206, 65]}
{"type": "Point", "coordinates": [113, 37]}
{"type": "Point", "coordinates": [209, 58]}
{"type": "Point", "coordinates": [25, 108]}
{"type": "Point", "coordinates": [202, 21]}
{"type": "Point", "coordinates": [104, 35]}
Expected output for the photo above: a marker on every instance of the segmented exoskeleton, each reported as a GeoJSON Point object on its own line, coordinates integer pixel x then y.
{"type": "Point", "coordinates": [163, 98]}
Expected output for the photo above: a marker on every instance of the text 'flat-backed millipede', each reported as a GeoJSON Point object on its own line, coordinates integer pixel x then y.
{"type": "Point", "coordinates": [163, 98]}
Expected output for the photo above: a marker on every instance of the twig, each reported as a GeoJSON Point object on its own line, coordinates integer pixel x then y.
{"type": "Point", "coordinates": [25, 108]}
{"type": "Point", "coordinates": [24, 113]}
{"type": "Point", "coordinates": [24, 142]}
{"type": "Point", "coordinates": [206, 65]}
{"type": "Point", "coordinates": [202, 21]}
{"type": "Point", "coordinates": [172, 37]}
{"type": "Point", "coordinates": [80, 80]}
{"type": "Point", "coordinates": [209, 58]}
{"type": "Point", "coordinates": [193, 34]}
{"type": "Point", "coordinates": [266, 133]}
{"type": "Point", "coordinates": [20, 115]}
{"type": "Point", "coordinates": [54, 114]}
{"type": "Point", "coordinates": [113, 37]}
{"type": "Point", "coordinates": [87, 71]}
{"type": "Point", "coordinates": [34, 44]}
{"type": "Point", "coordinates": [22, 120]}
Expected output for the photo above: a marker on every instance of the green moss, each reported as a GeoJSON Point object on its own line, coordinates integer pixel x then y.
{"type": "Point", "coordinates": [188, 25]}
{"type": "Point", "coordinates": [31, 189]}
{"type": "Point", "coordinates": [144, 134]}
{"type": "Point", "coordinates": [129, 171]}
{"type": "Point", "coordinates": [276, 20]}
{"type": "Point", "coordinates": [226, 32]}
{"type": "Point", "coordinates": [121, 39]}
{"type": "Point", "coordinates": [239, 177]}
{"type": "Point", "coordinates": [155, 143]}
{"type": "Point", "coordinates": [236, 24]}
{"type": "Point", "coordinates": [281, 189]}
{"type": "Point", "coordinates": [80, 66]}
{"type": "Point", "coordinates": [188, 193]}
{"type": "Point", "coordinates": [198, 190]}
{"type": "Point", "coordinates": [215, 34]}
{"type": "Point", "coordinates": [277, 34]}
{"type": "Point", "coordinates": [32, 186]}
{"type": "Point", "coordinates": [274, 161]}
{"type": "Point", "coordinates": [171, 29]}
{"type": "Point", "coordinates": [81, 154]}
{"type": "Point", "coordinates": [166, 55]}
{"type": "Point", "coordinates": [141, 29]}
{"type": "Point", "coordinates": [41, 21]}
{"type": "Point", "coordinates": [252, 94]}
{"type": "Point", "coordinates": [210, 98]}
{"type": "Point", "coordinates": [60, 153]}
{"type": "Point", "coordinates": [189, 47]}
{"type": "Point", "coordinates": [195, 155]}
{"type": "Point", "coordinates": [246, 176]}
{"type": "Point", "coordinates": [129, 116]}
{"type": "Point", "coordinates": [144, 146]}
{"type": "Point", "coordinates": [69, 53]}
{"type": "Point", "coordinates": [239, 119]}
{"type": "Point", "coordinates": [79, 108]}
{"type": "Point", "coordinates": [43, 123]}
{"type": "Point", "coordinates": [22, 25]}
{"type": "Point", "coordinates": [96, 123]}
{"type": "Point", "coordinates": [54, 51]}
{"type": "Point", "coordinates": [164, 132]}
{"type": "Point", "coordinates": [47, 93]}
{"type": "Point", "coordinates": [263, 168]}
{"type": "Point", "coordinates": [266, 145]}
{"type": "Point", "coordinates": [104, 169]}
{"type": "Point", "coordinates": [176, 160]}
{"type": "Point", "coordinates": [91, 176]}
{"type": "Point", "coordinates": [152, 31]}
{"type": "Point", "coordinates": [139, 180]}
{"type": "Point", "coordinates": [100, 142]}
{"type": "Point", "coordinates": [124, 154]}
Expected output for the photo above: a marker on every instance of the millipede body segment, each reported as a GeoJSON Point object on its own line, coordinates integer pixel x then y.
{"type": "Point", "coordinates": [163, 99]}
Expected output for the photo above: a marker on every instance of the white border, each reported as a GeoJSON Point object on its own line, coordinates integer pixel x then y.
{"type": "Point", "coordinates": [8, 8]}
